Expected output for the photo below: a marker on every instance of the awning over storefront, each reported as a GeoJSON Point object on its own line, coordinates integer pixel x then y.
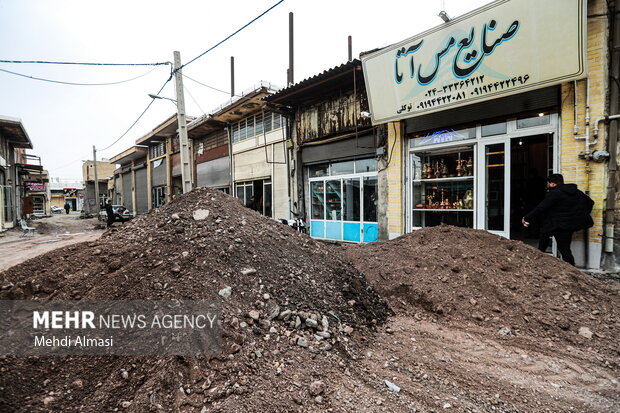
{"type": "Point", "coordinates": [338, 149]}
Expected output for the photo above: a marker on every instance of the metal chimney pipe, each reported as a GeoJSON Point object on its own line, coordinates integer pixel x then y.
{"type": "Point", "coordinates": [232, 76]}
{"type": "Point", "coordinates": [350, 49]}
{"type": "Point", "coordinates": [291, 77]}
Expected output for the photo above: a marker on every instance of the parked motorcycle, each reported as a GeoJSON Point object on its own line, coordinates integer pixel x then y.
{"type": "Point", "coordinates": [296, 223]}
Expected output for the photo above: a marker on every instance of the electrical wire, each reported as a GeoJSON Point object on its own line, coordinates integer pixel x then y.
{"type": "Point", "coordinates": [205, 85]}
{"type": "Point", "coordinates": [65, 165]}
{"type": "Point", "coordinates": [139, 117]}
{"type": "Point", "coordinates": [230, 36]}
{"type": "Point", "coordinates": [84, 63]}
{"type": "Point", "coordinates": [389, 160]}
{"type": "Point", "coordinates": [74, 83]}
{"type": "Point", "coordinates": [191, 96]}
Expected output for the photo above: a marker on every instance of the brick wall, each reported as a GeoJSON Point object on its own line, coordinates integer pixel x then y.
{"type": "Point", "coordinates": [575, 170]}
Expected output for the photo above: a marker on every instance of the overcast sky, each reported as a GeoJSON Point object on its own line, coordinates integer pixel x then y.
{"type": "Point", "coordinates": [65, 121]}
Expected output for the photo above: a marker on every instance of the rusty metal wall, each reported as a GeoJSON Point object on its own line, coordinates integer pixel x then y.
{"type": "Point", "coordinates": [332, 116]}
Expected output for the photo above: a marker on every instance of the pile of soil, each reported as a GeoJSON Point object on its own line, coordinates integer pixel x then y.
{"type": "Point", "coordinates": [289, 305]}
{"type": "Point", "coordinates": [454, 274]}
{"type": "Point", "coordinates": [47, 228]}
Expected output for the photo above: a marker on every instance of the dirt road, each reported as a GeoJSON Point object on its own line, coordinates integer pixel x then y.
{"type": "Point", "coordinates": [54, 232]}
{"type": "Point", "coordinates": [475, 323]}
{"type": "Point", "coordinates": [463, 369]}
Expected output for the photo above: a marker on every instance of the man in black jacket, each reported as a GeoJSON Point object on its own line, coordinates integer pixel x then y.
{"type": "Point", "coordinates": [111, 215]}
{"type": "Point", "coordinates": [564, 210]}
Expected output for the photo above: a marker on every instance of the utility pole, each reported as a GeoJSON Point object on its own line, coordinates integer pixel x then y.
{"type": "Point", "coordinates": [186, 173]}
{"type": "Point", "coordinates": [97, 207]}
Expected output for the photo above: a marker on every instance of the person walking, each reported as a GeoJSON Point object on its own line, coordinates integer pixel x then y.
{"type": "Point", "coordinates": [564, 210]}
{"type": "Point", "coordinates": [111, 215]}
{"type": "Point", "coordinates": [67, 208]}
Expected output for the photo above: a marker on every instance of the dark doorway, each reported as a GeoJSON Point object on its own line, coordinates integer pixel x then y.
{"type": "Point", "coordinates": [531, 163]}
{"type": "Point", "coordinates": [72, 203]}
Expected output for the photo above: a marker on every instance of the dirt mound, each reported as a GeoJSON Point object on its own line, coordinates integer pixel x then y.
{"type": "Point", "coordinates": [290, 305]}
{"type": "Point", "coordinates": [473, 276]}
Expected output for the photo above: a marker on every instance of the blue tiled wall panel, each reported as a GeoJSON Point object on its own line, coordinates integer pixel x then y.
{"type": "Point", "coordinates": [352, 232]}
{"type": "Point", "coordinates": [333, 230]}
{"type": "Point", "coordinates": [317, 229]}
{"type": "Point", "coordinates": [371, 232]}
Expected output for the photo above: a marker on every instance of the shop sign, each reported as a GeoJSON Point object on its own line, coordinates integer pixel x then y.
{"type": "Point", "coordinates": [442, 136]}
{"type": "Point", "coordinates": [35, 186]}
{"type": "Point", "coordinates": [70, 193]}
{"type": "Point", "coordinates": [503, 48]}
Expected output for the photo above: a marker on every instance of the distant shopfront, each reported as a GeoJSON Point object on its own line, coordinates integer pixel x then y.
{"type": "Point", "coordinates": [343, 200]}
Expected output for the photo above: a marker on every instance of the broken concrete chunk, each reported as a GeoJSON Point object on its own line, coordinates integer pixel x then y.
{"type": "Point", "coordinates": [248, 271]}
{"type": "Point", "coordinates": [392, 386]}
{"type": "Point", "coordinates": [585, 332]}
{"type": "Point", "coordinates": [200, 214]}
{"type": "Point", "coordinates": [225, 292]}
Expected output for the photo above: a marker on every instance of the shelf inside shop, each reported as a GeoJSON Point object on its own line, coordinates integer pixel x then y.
{"type": "Point", "coordinates": [452, 179]}
{"type": "Point", "coordinates": [442, 210]}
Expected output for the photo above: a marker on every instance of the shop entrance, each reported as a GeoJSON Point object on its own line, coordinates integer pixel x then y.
{"type": "Point", "coordinates": [531, 163]}
{"type": "Point", "coordinates": [485, 177]}
{"type": "Point", "coordinates": [261, 191]}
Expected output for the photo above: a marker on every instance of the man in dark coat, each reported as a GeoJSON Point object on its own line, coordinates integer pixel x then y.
{"type": "Point", "coordinates": [564, 210]}
{"type": "Point", "coordinates": [252, 204]}
{"type": "Point", "coordinates": [112, 216]}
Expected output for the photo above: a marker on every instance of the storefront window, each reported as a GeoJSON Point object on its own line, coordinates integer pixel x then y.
{"type": "Point", "coordinates": [343, 168]}
{"type": "Point", "coordinates": [470, 184]}
{"type": "Point", "coordinates": [370, 199]}
{"type": "Point", "coordinates": [494, 129]}
{"type": "Point", "coordinates": [532, 121]}
{"type": "Point", "coordinates": [344, 208]}
{"type": "Point", "coordinates": [443, 187]}
{"type": "Point", "coordinates": [333, 200]}
{"type": "Point", "coordinates": [317, 200]}
{"type": "Point", "coordinates": [494, 166]}
{"type": "Point", "coordinates": [351, 198]}
{"type": "Point", "coordinates": [318, 170]}
{"type": "Point", "coordinates": [365, 165]}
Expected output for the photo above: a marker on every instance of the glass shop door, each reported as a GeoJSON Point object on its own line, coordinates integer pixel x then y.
{"type": "Point", "coordinates": [493, 206]}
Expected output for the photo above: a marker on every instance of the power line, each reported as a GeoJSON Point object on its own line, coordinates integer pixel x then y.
{"type": "Point", "coordinates": [237, 31]}
{"type": "Point", "coordinates": [205, 85]}
{"type": "Point", "coordinates": [139, 117]}
{"type": "Point", "coordinates": [65, 165]}
{"type": "Point", "coordinates": [75, 83]}
{"type": "Point", "coordinates": [84, 63]}
{"type": "Point", "coordinates": [192, 96]}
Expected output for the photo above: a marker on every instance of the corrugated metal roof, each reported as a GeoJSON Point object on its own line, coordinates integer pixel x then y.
{"type": "Point", "coordinates": [325, 75]}
{"type": "Point", "coordinates": [13, 130]}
